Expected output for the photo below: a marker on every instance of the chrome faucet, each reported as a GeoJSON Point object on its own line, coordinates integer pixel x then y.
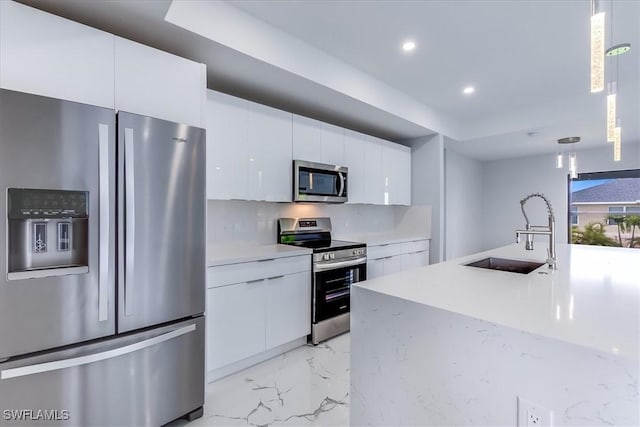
{"type": "Point", "coordinates": [531, 230]}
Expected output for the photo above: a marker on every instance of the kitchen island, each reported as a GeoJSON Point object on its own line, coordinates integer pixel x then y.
{"type": "Point", "coordinates": [451, 344]}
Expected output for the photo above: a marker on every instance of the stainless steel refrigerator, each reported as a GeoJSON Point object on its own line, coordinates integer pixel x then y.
{"type": "Point", "coordinates": [102, 265]}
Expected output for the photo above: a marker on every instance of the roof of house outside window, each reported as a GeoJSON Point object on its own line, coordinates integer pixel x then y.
{"type": "Point", "coordinates": [622, 190]}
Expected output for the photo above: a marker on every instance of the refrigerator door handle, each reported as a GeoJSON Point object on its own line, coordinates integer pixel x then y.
{"type": "Point", "coordinates": [130, 219]}
{"type": "Point", "coordinates": [92, 358]}
{"type": "Point", "coordinates": [104, 222]}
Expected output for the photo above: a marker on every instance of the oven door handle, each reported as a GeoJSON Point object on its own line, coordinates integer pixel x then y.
{"type": "Point", "coordinates": [339, 264]}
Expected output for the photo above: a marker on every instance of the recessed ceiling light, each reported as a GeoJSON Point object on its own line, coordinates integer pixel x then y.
{"type": "Point", "coordinates": [468, 90]}
{"type": "Point", "coordinates": [408, 46]}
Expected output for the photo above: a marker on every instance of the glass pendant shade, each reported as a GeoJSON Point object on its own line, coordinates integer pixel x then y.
{"type": "Point", "coordinates": [611, 116]}
{"type": "Point", "coordinates": [597, 52]}
{"type": "Point", "coordinates": [573, 166]}
{"type": "Point", "coordinates": [617, 142]}
{"type": "Point", "coordinates": [559, 161]}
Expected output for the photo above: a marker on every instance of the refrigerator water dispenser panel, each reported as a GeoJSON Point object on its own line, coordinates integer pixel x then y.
{"type": "Point", "coordinates": [48, 232]}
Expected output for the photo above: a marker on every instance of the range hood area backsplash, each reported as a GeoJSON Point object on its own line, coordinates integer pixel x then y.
{"type": "Point", "coordinates": [252, 222]}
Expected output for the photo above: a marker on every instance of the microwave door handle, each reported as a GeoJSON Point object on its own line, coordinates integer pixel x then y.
{"type": "Point", "coordinates": [341, 192]}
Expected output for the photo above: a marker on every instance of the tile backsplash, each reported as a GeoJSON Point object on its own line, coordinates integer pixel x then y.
{"type": "Point", "coordinates": [249, 222]}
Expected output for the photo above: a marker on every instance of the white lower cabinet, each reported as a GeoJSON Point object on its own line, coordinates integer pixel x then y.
{"type": "Point", "coordinates": [389, 258]}
{"type": "Point", "coordinates": [288, 308]}
{"type": "Point", "coordinates": [414, 260]}
{"type": "Point", "coordinates": [375, 268]}
{"type": "Point", "coordinates": [254, 307]}
{"type": "Point", "coordinates": [235, 322]}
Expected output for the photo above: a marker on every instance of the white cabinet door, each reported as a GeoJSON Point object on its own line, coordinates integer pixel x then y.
{"type": "Point", "coordinates": [288, 308]}
{"type": "Point", "coordinates": [404, 176]}
{"type": "Point", "coordinates": [332, 144]}
{"type": "Point", "coordinates": [306, 139]}
{"type": "Point", "coordinates": [154, 83]}
{"type": "Point", "coordinates": [375, 268]}
{"type": "Point", "coordinates": [227, 147]}
{"type": "Point", "coordinates": [396, 168]}
{"type": "Point", "coordinates": [392, 265]}
{"type": "Point", "coordinates": [269, 145]}
{"type": "Point", "coordinates": [413, 260]}
{"type": "Point", "coordinates": [423, 258]}
{"type": "Point", "coordinates": [315, 141]}
{"type": "Point", "coordinates": [374, 180]}
{"type": "Point", "coordinates": [355, 145]}
{"type": "Point", "coordinates": [46, 55]}
{"type": "Point", "coordinates": [235, 323]}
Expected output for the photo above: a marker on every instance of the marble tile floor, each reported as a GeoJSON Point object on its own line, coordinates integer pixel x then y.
{"type": "Point", "coordinates": [308, 386]}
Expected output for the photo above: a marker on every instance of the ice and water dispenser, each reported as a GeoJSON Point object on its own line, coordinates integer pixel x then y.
{"type": "Point", "coordinates": [48, 232]}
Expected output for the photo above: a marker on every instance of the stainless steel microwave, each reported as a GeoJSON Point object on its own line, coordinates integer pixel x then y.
{"type": "Point", "coordinates": [318, 182]}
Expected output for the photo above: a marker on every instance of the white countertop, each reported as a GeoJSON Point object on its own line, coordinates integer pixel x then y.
{"type": "Point", "coordinates": [375, 239]}
{"type": "Point", "coordinates": [592, 299]}
{"type": "Point", "coordinates": [234, 254]}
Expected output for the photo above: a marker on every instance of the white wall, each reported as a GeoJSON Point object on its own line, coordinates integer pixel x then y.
{"type": "Point", "coordinates": [463, 205]}
{"type": "Point", "coordinates": [248, 222]}
{"type": "Point", "coordinates": [506, 182]}
{"type": "Point", "coordinates": [427, 187]}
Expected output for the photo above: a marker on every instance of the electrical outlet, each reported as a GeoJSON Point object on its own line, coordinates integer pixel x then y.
{"type": "Point", "coordinates": [533, 415]}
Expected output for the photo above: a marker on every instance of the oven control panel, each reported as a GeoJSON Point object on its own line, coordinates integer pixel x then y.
{"type": "Point", "coordinates": [340, 254]}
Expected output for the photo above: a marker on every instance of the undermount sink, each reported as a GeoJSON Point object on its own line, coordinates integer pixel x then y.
{"type": "Point", "coordinates": [503, 264]}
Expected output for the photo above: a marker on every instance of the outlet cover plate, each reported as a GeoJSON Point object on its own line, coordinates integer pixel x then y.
{"type": "Point", "coordinates": [533, 415]}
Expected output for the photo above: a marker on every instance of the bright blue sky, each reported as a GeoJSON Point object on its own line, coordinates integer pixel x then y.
{"type": "Point", "coordinates": [588, 183]}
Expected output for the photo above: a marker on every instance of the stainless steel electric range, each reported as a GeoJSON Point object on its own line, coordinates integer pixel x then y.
{"type": "Point", "coordinates": [337, 265]}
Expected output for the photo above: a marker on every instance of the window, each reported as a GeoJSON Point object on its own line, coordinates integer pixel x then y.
{"type": "Point", "coordinates": [574, 215]}
{"type": "Point", "coordinates": [633, 210]}
{"type": "Point", "coordinates": [603, 207]}
{"type": "Point", "coordinates": [616, 211]}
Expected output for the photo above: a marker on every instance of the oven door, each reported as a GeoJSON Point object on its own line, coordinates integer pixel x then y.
{"type": "Point", "coordinates": [332, 286]}
{"type": "Point", "coordinates": [317, 182]}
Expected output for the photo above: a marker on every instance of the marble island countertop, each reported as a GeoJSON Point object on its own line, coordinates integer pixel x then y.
{"type": "Point", "coordinates": [591, 300]}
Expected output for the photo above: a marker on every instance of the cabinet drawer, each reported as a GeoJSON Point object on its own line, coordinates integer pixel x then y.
{"type": "Point", "coordinates": [257, 270]}
{"type": "Point", "coordinates": [417, 246]}
{"type": "Point", "coordinates": [385, 250]}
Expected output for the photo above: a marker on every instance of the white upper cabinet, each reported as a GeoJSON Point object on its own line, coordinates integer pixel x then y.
{"type": "Point", "coordinates": [306, 139]}
{"type": "Point", "coordinates": [363, 157]}
{"type": "Point", "coordinates": [373, 185]}
{"type": "Point", "coordinates": [396, 170]}
{"type": "Point", "coordinates": [332, 144]}
{"type": "Point", "coordinates": [46, 55]}
{"type": "Point", "coordinates": [270, 164]}
{"type": "Point", "coordinates": [227, 120]}
{"type": "Point", "coordinates": [315, 141]}
{"type": "Point", "coordinates": [248, 150]}
{"type": "Point", "coordinates": [354, 152]}
{"type": "Point", "coordinates": [154, 83]}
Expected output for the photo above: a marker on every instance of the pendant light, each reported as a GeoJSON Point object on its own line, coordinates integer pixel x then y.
{"type": "Point", "coordinates": [573, 160]}
{"type": "Point", "coordinates": [597, 47]}
{"type": "Point", "coordinates": [617, 143]}
{"type": "Point", "coordinates": [614, 131]}
{"type": "Point", "coordinates": [611, 110]}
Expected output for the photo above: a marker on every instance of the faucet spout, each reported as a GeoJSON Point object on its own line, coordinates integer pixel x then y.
{"type": "Point", "coordinates": [532, 230]}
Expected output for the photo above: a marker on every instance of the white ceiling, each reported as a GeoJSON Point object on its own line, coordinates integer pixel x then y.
{"type": "Point", "coordinates": [529, 62]}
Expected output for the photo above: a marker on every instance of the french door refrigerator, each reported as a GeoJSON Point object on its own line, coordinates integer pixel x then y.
{"type": "Point", "coordinates": [102, 265]}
